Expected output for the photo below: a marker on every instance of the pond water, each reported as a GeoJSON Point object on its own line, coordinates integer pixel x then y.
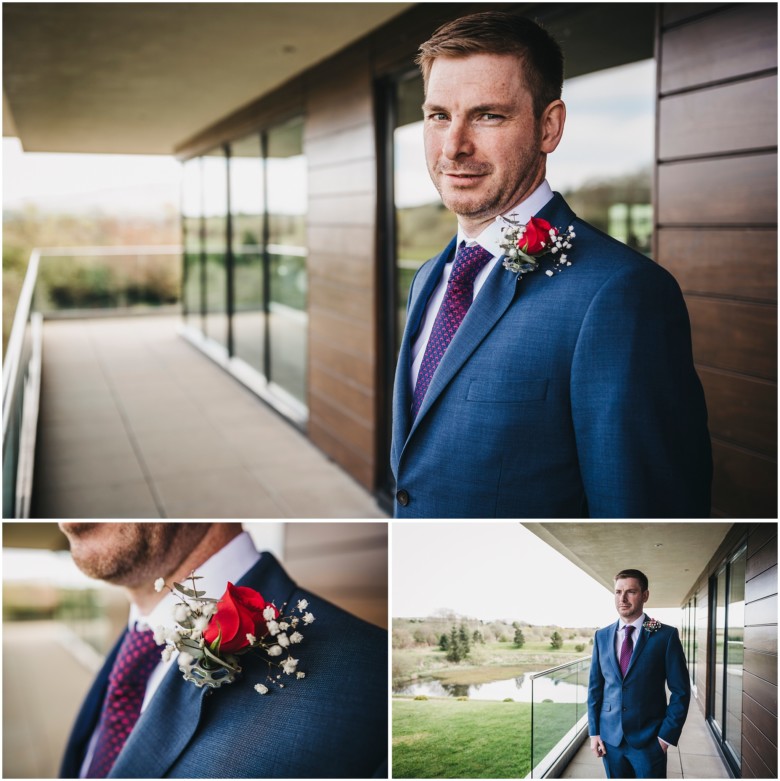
{"type": "Point", "coordinates": [519, 689]}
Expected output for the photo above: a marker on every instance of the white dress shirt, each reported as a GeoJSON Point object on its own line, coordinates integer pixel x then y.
{"type": "Point", "coordinates": [230, 563]}
{"type": "Point", "coordinates": [489, 239]}
{"type": "Point", "coordinates": [620, 635]}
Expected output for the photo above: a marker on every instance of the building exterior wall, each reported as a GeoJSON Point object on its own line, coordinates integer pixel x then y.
{"type": "Point", "coordinates": [759, 670]}
{"type": "Point", "coordinates": [716, 209]}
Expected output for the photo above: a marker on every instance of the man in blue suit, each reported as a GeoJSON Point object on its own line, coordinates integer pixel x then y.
{"type": "Point", "coordinates": [630, 722]}
{"type": "Point", "coordinates": [333, 723]}
{"type": "Point", "coordinates": [566, 392]}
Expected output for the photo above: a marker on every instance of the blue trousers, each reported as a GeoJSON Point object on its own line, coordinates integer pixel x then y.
{"type": "Point", "coordinates": [623, 761]}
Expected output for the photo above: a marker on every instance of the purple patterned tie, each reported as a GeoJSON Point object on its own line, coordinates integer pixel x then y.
{"type": "Point", "coordinates": [457, 299]}
{"type": "Point", "coordinates": [626, 650]}
{"type": "Point", "coordinates": [138, 656]}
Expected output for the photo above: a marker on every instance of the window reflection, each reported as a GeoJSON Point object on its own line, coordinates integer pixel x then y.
{"type": "Point", "coordinates": [735, 637]}
{"type": "Point", "coordinates": [287, 199]}
{"type": "Point", "coordinates": [247, 204]}
{"type": "Point", "coordinates": [215, 207]}
{"type": "Point", "coordinates": [191, 210]}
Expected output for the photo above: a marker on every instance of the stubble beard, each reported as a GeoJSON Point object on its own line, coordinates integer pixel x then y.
{"type": "Point", "coordinates": [130, 554]}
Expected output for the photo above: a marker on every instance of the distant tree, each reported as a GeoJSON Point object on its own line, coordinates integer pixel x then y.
{"type": "Point", "coordinates": [419, 636]}
{"type": "Point", "coordinates": [579, 648]}
{"type": "Point", "coordinates": [556, 641]}
{"type": "Point", "coordinates": [477, 637]}
{"type": "Point", "coordinates": [444, 642]}
{"type": "Point", "coordinates": [454, 652]}
{"type": "Point", "coordinates": [519, 637]}
{"type": "Point", "coordinates": [465, 642]}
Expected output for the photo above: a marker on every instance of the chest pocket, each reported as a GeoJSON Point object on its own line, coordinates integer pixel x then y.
{"type": "Point", "coordinates": [509, 392]}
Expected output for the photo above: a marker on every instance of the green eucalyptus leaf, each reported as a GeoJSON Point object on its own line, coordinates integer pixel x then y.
{"type": "Point", "coordinates": [188, 591]}
{"type": "Point", "coordinates": [214, 658]}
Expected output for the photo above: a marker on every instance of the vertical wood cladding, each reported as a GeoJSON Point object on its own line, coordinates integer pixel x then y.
{"type": "Point", "coordinates": [716, 195]}
{"type": "Point", "coordinates": [759, 672]}
{"type": "Point", "coordinates": [759, 682]}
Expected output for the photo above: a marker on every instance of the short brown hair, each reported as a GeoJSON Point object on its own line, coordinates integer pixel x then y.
{"type": "Point", "coordinates": [499, 32]}
{"type": "Point", "coordinates": [636, 575]}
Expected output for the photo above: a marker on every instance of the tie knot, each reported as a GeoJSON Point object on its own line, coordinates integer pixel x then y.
{"type": "Point", "coordinates": [630, 630]}
{"type": "Point", "coordinates": [469, 261]}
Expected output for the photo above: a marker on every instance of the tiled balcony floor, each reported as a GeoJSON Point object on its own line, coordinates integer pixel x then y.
{"type": "Point", "coordinates": [136, 423]}
{"type": "Point", "coordinates": [696, 756]}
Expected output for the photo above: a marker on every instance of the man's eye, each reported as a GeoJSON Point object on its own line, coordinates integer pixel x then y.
{"type": "Point", "coordinates": [437, 116]}
{"type": "Point", "coordinates": [492, 116]}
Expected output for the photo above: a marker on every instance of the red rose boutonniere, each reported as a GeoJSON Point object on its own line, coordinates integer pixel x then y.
{"type": "Point", "coordinates": [523, 245]}
{"type": "Point", "coordinates": [651, 625]}
{"type": "Point", "coordinates": [210, 634]}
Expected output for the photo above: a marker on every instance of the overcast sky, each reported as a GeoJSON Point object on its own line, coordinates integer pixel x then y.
{"type": "Point", "coordinates": [494, 571]}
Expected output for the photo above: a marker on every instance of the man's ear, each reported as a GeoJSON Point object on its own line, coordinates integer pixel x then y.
{"type": "Point", "coordinates": [552, 122]}
{"type": "Point", "coordinates": [645, 596]}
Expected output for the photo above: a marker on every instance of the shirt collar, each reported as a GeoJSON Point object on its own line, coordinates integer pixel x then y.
{"type": "Point", "coordinates": [230, 563]}
{"type": "Point", "coordinates": [636, 624]}
{"type": "Point", "coordinates": [491, 236]}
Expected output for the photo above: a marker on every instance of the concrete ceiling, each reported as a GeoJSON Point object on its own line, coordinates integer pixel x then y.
{"type": "Point", "coordinates": [143, 77]}
{"type": "Point", "coordinates": [672, 555]}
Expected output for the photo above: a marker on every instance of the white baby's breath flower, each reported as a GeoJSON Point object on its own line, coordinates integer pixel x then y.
{"type": "Point", "coordinates": [260, 689]}
{"type": "Point", "coordinates": [159, 635]}
{"type": "Point", "coordinates": [181, 613]}
{"type": "Point", "coordinates": [167, 653]}
{"type": "Point", "coordinates": [196, 634]}
{"type": "Point", "coordinates": [284, 626]}
{"type": "Point", "coordinates": [302, 605]}
{"type": "Point", "coordinates": [548, 272]}
{"type": "Point", "coordinates": [308, 618]}
{"type": "Point", "coordinates": [294, 621]}
{"type": "Point", "coordinates": [296, 637]}
{"type": "Point", "coordinates": [300, 675]}
{"type": "Point", "coordinates": [159, 584]}
{"type": "Point", "coordinates": [185, 660]}
{"type": "Point", "coordinates": [273, 628]}
{"type": "Point", "coordinates": [275, 650]}
{"type": "Point", "coordinates": [208, 608]}
{"type": "Point", "coordinates": [283, 640]}
{"type": "Point", "coordinates": [200, 623]}
{"type": "Point", "coordinates": [269, 614]}
{"type": "Point", "coordinates": [250, 638]}
{"type": "Point", "coordinates": [289, 665]}
{"type": "Point", "coordinates": [172, 636]}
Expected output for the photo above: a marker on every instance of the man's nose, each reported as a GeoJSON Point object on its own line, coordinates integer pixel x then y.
{"type": "Point", "coordinates": [458, 141]}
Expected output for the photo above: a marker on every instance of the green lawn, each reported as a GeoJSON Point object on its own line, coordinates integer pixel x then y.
{"type": "Point", "coordinates": [441, 738]}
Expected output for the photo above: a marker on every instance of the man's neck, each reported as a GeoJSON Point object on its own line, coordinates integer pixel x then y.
{"type": "Point", "coordinates": [218, 535]}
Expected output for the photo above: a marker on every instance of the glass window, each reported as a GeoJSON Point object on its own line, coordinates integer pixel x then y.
{"type": "Point", "coordinates": [191, 209]}
{"type": "Point", "coordinates": [247, 205]}
{"type": "Point", "coordinates": [719, 634]}
{"type": "Point", "coordinates": [603, 165]}
{"type": "Point", "coordinates": [735, 644]}
{"type": "Point", "coordinates": [288, 318]}
{"type": "Point", "coordinates": [215, 209]}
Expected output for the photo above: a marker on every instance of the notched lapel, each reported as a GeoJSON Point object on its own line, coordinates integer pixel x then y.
{"type": "Point", "coordinates": [613, 658]}
{"type": "Point", "coordinates": [494, 299]}
{"type": "Point", "coordinates": [639, 646]}
{"type": "Point", "coordinates": [163, 731]}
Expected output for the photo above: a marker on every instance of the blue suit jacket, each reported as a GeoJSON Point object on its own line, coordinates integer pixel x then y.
{"type": "Point", "coordinates": [331, 724]}
{"type": "Point", "coordinates": [635, 707]}
{"type": "Point", "coordinates": [562, 396]}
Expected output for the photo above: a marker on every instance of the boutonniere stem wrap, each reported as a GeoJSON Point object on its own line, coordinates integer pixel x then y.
{"type": "Point", "coordinates": [523, 245]}
{"type": "Point", "coordinates": [211, 634]}
{"type": "Point", "coordinates": [651, 625]}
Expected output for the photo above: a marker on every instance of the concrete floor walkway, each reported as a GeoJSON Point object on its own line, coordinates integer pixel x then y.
{"type": "Point", "coordinates": [136, 423]}
{"type": "Point", "coordinates": [696, 756]}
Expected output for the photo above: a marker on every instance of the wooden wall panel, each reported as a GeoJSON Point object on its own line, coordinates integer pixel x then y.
{"type": "Point", "coordinates": [716, 231]}
{"type": "Point", "coordinates": [738, 41]}
{"type": "Point", "coordinates": [720, 191]}
{"type": "Point", "coordinates": [737, 116]}
{"type": "Point", "coordinates": [736, 262]}
{"type": "Point", "coordinates": [345, 563]}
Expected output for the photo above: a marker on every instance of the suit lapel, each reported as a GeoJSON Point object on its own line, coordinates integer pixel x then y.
{"type": "Point", "coordinates": [613, 657]}
{"type": "Point", "coordinates": [173, 715]}
{"type": "Point", "coordinates": [496, 295]}
{"type": "Point", "coordinates": [427, 280]}
{"type": "Point", "coordinates": [639, 646]}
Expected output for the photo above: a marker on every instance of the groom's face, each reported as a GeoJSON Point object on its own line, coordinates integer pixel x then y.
{"type": "Point", "coordinates": [130, 554]}
{"type": "Point", "coordinates": [482, 140]}
{"type": "Point", "coordinates": [630, 599]}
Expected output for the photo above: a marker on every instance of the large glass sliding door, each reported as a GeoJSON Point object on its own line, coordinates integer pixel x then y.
{"type": "Point", "coordinates": [288, 319]}
{"type": "Point", "coordinates": [248, 223]}
{"type": "Point", "coordinates": [244, 215]}
{"type": "Point", "coordinates": [727, 655]}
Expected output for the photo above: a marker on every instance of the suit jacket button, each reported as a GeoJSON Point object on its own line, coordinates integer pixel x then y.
{"type": "Point", "coordinates": [402, 497]}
